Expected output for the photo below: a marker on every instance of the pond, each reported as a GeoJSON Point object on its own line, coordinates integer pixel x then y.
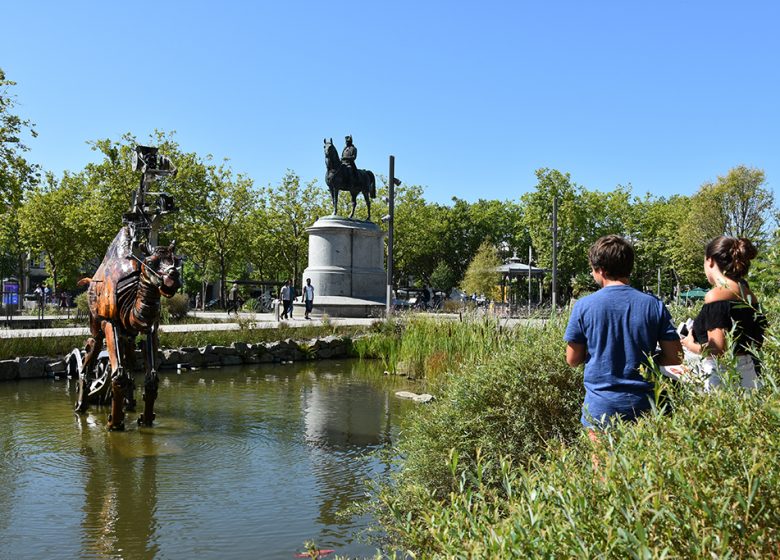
{"type": "Point", "coordinates": [243, 462]}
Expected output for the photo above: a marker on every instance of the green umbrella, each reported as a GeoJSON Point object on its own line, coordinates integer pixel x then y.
{"type": "Point", "coordinates": [694, 293]}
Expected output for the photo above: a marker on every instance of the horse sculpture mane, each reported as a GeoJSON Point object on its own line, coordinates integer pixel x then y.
{"type": "Point", "coordinates": [338, 178]}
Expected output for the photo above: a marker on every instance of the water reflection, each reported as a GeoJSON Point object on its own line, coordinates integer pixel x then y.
{"type": "Point", "coordinates": [248, 460]}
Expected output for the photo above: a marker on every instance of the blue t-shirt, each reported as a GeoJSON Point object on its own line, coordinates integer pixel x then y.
{"type": "Point", "coordinates": [620, 327]}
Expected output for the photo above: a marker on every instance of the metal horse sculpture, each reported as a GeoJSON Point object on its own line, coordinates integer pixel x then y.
{"type": "Point", "coordinates": [124, 301]}
{"type": "Point", "coordinates": [339, 178]}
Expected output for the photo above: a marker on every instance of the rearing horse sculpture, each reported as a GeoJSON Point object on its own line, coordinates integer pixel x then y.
{"type": "Point", "coordinates": [124, 301]}
{"type": "Point", "coordinates": [338, 178]}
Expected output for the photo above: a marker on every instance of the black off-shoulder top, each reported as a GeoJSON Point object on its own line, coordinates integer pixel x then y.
{"type": "Point", "coordinates": [750, 323]}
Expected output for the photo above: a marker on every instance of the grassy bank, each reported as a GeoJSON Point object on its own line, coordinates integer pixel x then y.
{"type": "Point", "coordinates": [58, 346]}
{"type": "Point", "coordinates": [498, 466]}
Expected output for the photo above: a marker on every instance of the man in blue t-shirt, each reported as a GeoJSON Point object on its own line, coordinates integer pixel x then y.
{"type": "Point", "coordinates": [613, 332]}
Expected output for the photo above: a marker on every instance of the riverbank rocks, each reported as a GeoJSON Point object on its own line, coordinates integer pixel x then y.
{"type": "Point", "coordinates": [9, 370]}
{"type": "Point", "coordinates": [31, 367]}
{"type": "Point", "coordinates": [281, 351]}
{"type": "Point", "coordinates": [421, 398]}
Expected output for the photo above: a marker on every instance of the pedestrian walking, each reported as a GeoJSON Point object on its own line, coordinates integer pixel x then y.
{"type": "Point", "coordinates": [233, 299]}
{"type": "Point", "coordinates": [308, 298]}
{"type": "Point", "coordinates": [284, 295]}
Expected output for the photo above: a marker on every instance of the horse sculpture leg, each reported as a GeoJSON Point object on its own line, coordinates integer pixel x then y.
{"type": "Point", "coordinates": [151, 380]}
{"type": "Point", "coordinates": [93, 347]}
{"type": "Point", "coordinates": [119, 378]}
{"type": "Point", "coordinates": [128, 357]}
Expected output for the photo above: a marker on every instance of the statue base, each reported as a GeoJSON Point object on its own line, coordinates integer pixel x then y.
{"type": "Point", "coordinates": [346, 267]}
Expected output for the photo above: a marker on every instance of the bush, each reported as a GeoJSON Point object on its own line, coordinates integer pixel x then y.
{"type": "Point", "coordinates": [514, 398]}
{"type": "Point", "coordinates": [175, 307]}
{"type": "Point", "coordinates": [82, 303]}
{"type": "Point", "coordinates": [499, 468]}
{"type": "Point", "coordinates": [703, 483]}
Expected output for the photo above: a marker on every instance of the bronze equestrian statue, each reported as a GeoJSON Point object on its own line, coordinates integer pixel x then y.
{"type": "Point", "coordinates": [124, 299]}
{"type": "Point", "coordinates": [343, 175]}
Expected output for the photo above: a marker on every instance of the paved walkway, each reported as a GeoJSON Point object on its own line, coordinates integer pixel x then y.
{"type": "Point", "coordinates": [220, 321]}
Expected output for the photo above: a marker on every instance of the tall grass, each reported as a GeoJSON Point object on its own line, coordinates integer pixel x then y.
{"type": "Point", "coordinates": [428, 347]}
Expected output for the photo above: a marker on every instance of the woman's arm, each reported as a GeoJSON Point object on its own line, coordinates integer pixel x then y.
{"type": "Point", "coordinates": [716, 343]}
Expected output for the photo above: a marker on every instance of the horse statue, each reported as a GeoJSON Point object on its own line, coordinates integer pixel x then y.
{"type": "Point", "coordinates": [339, 178]}
{"type": "Point", "coordinates": [124, 301]}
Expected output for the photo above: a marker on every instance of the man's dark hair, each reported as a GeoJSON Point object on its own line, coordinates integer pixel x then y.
{"type": "Point", "coordinates": [613, 255]}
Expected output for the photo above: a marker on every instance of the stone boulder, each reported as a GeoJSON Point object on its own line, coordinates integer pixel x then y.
{"type": "Point", "coordinates": [32, 367]}
{"type": "Point", "coordinates": [9, 370]}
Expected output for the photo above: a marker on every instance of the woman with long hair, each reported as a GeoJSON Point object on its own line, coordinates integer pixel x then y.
{"type": "Point", "coordinates": [729, 307]}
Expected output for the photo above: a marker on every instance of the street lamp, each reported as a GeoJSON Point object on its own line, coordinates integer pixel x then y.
{"type": "Point", "coordinates": [390, 218]}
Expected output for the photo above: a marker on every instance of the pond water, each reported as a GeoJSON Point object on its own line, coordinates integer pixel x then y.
{"type": "Point", "coordinates": [243, 462]}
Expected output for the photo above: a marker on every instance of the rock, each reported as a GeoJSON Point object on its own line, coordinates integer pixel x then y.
{"type": "Point", "coordinates": [242, 348]}
{"type": "Point", "coordinates": [31, 367]}
{"type": "Point", "coordinates": [224, 351]}
{"type": "Point", "coordinates": [56, 368]}
{"type": "Point", "coordinates": [9, 370]}
{"type": "Point", "coordinates": [232, 360]}
{"type": "Point", "coordinates": [170, 358]}
{"type": "Point", "coordinates": [423, 398]}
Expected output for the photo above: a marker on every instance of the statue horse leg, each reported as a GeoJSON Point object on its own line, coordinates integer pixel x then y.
{"type": "Point", "coordinates": [354, 204]}
{"type": "Point", "coordinates": [93, 347]}
{"type": "Point", "coordinates": [119, 378]}
{"type": "Point", "coordinates": [128, 356]}
{"type": "Point", "coordinates": [368, 203]}
{"type": "Point", "coordinates": [151, 380]}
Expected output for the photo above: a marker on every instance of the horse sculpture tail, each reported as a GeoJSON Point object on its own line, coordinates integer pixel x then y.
{"type": "Point", "coordinates": [371, 185]}
{"type": "Point", "coordinates": [84, 282]}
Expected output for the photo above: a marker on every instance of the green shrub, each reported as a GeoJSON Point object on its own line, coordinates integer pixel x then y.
{"type": "Point", "coordinates": [499, 468]}
{"type": "Point", "coordinates": [175, 307]}
{"type": "Point", "coordinates": [702, 483]}
{"type": "Point", "coordinates": [82, 303]}
{"type": "Point", "coordinates": [511, 399]}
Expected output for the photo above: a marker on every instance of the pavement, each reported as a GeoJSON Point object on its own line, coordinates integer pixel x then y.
{"type": "Point", "coordinates": [221, 321]}
{"type": "Point", "coordinates": [214, 321]}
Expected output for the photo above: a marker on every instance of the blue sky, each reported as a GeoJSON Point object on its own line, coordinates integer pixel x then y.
{"type": "Point", "coordinates": [471, 97]}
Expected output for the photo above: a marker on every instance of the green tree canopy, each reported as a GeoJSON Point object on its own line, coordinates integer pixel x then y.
{"type": "Point", "coordinates": [482, 276]}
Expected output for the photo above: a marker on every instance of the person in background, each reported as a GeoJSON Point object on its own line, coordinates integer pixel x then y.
{"type": "Point", "coordinates": [284, 295]}
{"type": "Point", "coordinates": [730, 306]}
{"type": "Point", "coordinates": [308, 298]}
{"type": "Point", "coordinates": [613, 332]}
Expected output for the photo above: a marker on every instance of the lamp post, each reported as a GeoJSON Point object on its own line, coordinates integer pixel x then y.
{"type": "Point", "coordinates": [529, 281]}
{"type": "Point", "coordinates": [555, 256]}
{"type": "Point", "coordinates": [390, 219]}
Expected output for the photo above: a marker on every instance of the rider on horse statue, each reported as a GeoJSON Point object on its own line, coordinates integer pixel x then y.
{"type": "Point", "coordinates": [348, 157]}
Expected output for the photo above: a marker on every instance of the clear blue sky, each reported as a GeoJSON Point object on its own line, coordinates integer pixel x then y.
{"type": "Point", "coordinates": [471, 97]}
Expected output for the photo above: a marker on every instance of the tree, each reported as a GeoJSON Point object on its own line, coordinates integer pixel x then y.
{"type": "Point", "coordinates": [291, 208]}
{"type": "Point", "coordinates": [44, 227]}
{"type": "Point", "coordinates": [17, 175]}
{"type": "Point", "coordinates": [745, 203]}
{"type": "Point", "coordinates": [482, 275]}
{"type": "Point", "coordinates": [443, 277]}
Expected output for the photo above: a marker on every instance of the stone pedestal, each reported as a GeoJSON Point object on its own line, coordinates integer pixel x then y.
{"type": "Point", "coordinates": [346, 267]}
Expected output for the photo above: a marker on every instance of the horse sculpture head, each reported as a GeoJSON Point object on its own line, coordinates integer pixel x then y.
{"type": "Point", "coordinates": [161, 269]}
